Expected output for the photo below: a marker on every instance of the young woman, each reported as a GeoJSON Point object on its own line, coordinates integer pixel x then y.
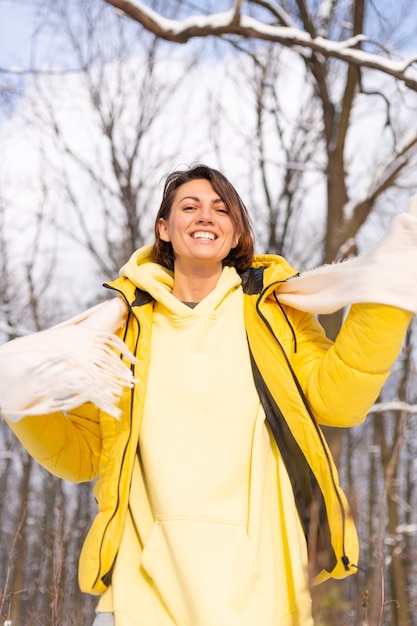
{"type": "Point", "coordinates": [218, 500]}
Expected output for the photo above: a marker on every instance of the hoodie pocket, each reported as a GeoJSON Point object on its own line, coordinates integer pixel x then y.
{"type": "Point", "coordinates": [206, 572]}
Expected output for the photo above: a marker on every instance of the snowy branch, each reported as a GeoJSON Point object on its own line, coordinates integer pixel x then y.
{"type": "Point", "coordinates": [396, 405]}
{"type": "Point", "coordinates": [234, 23]}
{"type": "Point", "coordinates": [20, 71]}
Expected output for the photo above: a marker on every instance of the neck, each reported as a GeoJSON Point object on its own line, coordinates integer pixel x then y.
{"type": "Point", "coordinates": [196, 285]}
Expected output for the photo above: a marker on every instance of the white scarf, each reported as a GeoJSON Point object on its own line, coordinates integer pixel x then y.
{"type": "Point", "coordinates": [61, 368]}
{"type": "Point", "coordinates": [78, 360]}
{"type": "Point", "coordinates": [387, 274]}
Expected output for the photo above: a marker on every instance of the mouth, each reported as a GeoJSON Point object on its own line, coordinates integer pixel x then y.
{"type": "Point", "coordinates": [203, 234]}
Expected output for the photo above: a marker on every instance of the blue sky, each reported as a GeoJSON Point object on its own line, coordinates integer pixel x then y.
{"type": "Point", "coordinates": [16, 26]}
{"type": "Point", "coordinates": [17, 20]}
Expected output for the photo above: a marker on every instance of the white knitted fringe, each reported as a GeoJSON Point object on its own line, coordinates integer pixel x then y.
{"type": "Point", "coordinates": [387, 274]}
{"type": "Point", "coordinates": [61, 368]}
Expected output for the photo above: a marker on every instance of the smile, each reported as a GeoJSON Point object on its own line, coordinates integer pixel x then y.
{"type": "Point", "coordinates": [202, 234]}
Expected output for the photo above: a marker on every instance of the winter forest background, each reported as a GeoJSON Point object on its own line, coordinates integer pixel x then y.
{"type": "Point", "coordinates": [310, 108]}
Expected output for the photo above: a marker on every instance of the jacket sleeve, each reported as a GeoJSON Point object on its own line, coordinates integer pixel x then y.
{"type": "Point", "coordinates": [343, 380]}
{"type": "Point", "coordinates": [67, 445]}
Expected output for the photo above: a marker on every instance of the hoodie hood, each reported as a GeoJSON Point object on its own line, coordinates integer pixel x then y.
{"type": "Point", "coordinates": [153, 278]}
{"type": "Point", "coordinates": [158, 281]}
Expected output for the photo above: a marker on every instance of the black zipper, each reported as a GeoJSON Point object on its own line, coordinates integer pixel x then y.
{"type": "Point", "coordinates": [345, 558]}
{"type": "Point", "coordinates": [106, 578]}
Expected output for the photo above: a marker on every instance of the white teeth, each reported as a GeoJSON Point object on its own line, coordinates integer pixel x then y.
{"type": "Point", "coordinates": [203, 235]}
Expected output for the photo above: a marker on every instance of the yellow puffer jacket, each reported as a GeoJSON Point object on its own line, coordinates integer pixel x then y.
{"type": "Point", "coordinates": [303, 380]}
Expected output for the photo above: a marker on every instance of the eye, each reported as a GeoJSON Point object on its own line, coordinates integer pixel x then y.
{"type": "Point", "coordinates": [189, 208]}
{"type": "Point", "coordinates": [222, 210]}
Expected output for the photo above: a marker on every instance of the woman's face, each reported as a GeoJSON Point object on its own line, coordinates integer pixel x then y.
{"type": "Point", "coordinates": [199, 226]}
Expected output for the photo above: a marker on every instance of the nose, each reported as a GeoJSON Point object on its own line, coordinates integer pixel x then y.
{"type": "Point", "coordinates": [205, 214]}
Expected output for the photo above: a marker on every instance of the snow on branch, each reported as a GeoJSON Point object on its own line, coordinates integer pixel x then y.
{"type": "Point", "coordinates": [20, 71]}
{"type": "Point", "coordinates": [234, 23]}
{"type": "Point", "coordinates": [396, 405]}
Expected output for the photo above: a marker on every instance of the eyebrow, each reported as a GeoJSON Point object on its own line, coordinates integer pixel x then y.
{"type": "Point", "coordinates": [196, 199]}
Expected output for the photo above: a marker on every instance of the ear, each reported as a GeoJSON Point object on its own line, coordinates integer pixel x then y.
{"type": "Point", "coordinates": [235, 241]}
{"type": "Point", "coordinates": [163, 230]}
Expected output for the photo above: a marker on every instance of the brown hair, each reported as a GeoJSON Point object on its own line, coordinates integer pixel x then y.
{"type": "Point", "coordinates": [239, 257]}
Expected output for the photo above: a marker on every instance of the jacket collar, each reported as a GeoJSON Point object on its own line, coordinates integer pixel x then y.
{"type": "Point", "coordinates": [266, 272]}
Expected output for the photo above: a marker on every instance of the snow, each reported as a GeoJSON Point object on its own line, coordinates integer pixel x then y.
{"type": "Point", "coordinates": [284, 34]}
{"type": "Point", "coordinates": [325, 9]}
{"type": "Point", "coordinates": [397, 405]}
{"type": "Point", "coordinates": [215, 20]}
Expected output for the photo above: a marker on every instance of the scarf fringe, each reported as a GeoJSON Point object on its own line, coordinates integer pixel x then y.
{"type": "Point", "coordinates": [387, 274]}
{"type": "Point", "coordinates": [72, 363]}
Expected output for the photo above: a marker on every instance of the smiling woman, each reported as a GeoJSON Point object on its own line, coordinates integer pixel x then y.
{"type": "Point", "coordinates": [219, 193]}
{"type": "Point", "coordinates": [200, 230]}
{"type": "Point", "coordinates": [218, 500]}
{"type": "Point", "coordinates": [200, 233]}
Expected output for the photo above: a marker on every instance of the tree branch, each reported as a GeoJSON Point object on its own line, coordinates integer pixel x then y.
{"type": "Point", "coordinates": [396, 405]}
{"type": "Point", "coordinates": [224, 24]}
